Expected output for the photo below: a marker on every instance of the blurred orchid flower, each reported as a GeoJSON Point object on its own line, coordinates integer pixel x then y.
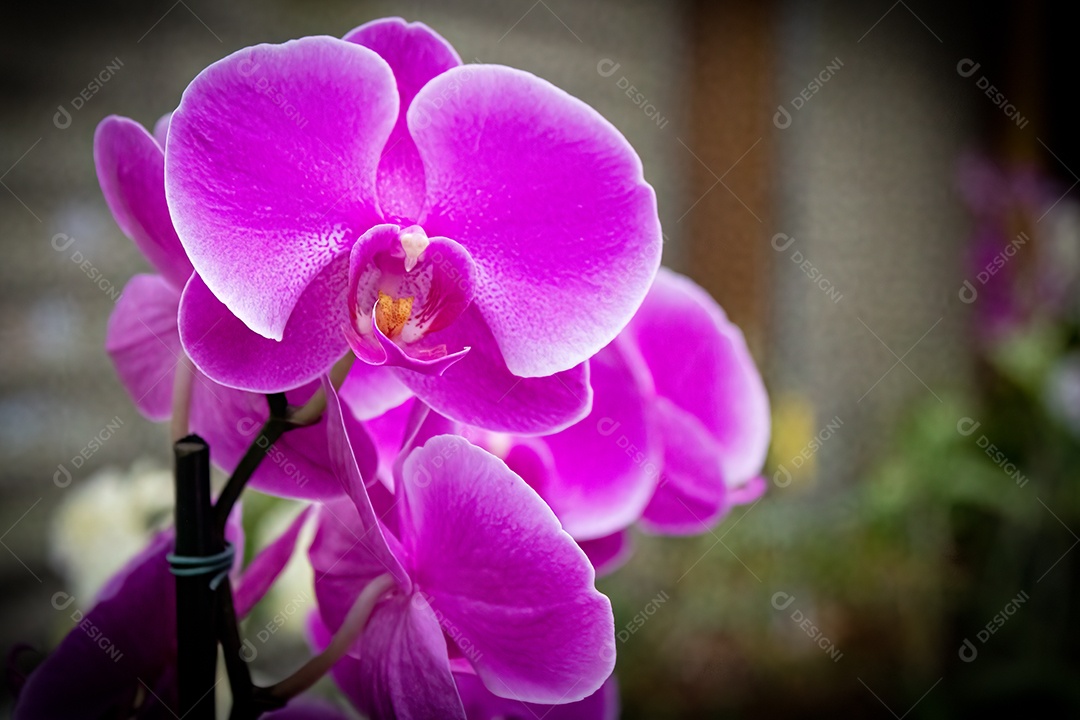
{"type": "Point", "coordinates": [121, 656]}
{"type": "Point", "coordinates": [710, 409]}
{"type": "Point", "coordinates": [677, 434]}
{"type": "Point", "coordinates": [1023, 258]}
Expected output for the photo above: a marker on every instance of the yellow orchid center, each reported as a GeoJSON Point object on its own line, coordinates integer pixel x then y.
{"type": "Point", "coordinates": [391, 314]}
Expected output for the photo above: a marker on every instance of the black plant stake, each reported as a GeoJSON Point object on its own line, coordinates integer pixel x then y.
{"type": "Point", "coordinates": [200, 552]}
{"type": "Point", "coordinates": [205, 614]}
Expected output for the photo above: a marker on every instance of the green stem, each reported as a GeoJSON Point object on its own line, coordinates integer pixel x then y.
{"type": "Point", "coordinates": [276, 426]}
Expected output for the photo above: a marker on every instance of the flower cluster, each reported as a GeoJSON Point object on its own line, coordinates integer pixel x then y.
{"type": "Point", "coordinates": [526, 385]}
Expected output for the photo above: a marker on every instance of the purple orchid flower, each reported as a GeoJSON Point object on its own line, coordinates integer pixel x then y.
{"type": "Point", "coordinates": [678, 431]}
{"type": "Point", "coordinates": [81, 679]}
{"type": "Point", "coordinates": [399, 430]}
{"type": "Point", "coordinates": [677, 434]}
{"type": "Point", "coordinates": [143, 339]}
{"type": "Point", "coordinates": [124, 648]}
{"type": "Point", "coordinates": [485, 580]}
{"type": "Point", "coordinates": [710, 408]}
{"type": "Point", "coordinates": [473, 227]}
{"type": "Point", "coordinates": [609, 553]}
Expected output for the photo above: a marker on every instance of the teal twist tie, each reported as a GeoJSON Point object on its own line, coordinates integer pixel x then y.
{"type": "Point", "coordinates": [217, 565]}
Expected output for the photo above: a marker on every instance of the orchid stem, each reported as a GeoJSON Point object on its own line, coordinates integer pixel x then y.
{"type": "Point", "coordinates": [181, 399]}
{"type": "Point", "coordinates": [235, 666]}
{"type": "Point", "coordinates": [343, 639]}
{"type": "Point", "coordinates": [249, 701]}
{"type": "Point", "coordinates": [276, 426]}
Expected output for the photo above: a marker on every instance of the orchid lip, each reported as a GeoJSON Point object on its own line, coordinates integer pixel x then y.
{"type": "Point", "coordinates": [397, 285]}
{"type": "Point", "coordinates": [392, 314]}
{"type": "Point", "coordinates": [405, 285]}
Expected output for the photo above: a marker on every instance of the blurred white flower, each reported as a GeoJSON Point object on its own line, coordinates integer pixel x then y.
{"type": "Point", "coordinates": [105, 520]}
{"type": "Point", "coordinates": [1062, 392]}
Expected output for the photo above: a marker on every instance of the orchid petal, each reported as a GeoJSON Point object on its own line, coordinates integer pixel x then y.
{"type": "Point", "coordinates": [97, 667]}
{"type": "Point", "coordinates": [142, 341]}
{"type": "Point", "coordinates": [415, 53]}
{"type": "Point", "coordinates": [403, 671]}
{"type": "Point", "coordinates": [606, 466]}
{"type": "Point", "coordinates": [550, 200]}
{"type": "Point", "coordinates": [751, 492]}
{"type": "Point", "coordinates": [161, 133]}
{"type": "Point", "coordinates": [271, 169]}
{"type": "Point", "coordinates": [388, 432]}
{"type": "Point", "coordinates": [370, 391]}
{"type": "Point", "coordinates": [507, 582]}
{"type": "Point", "coordinates": [700, 362]}
{"type": "Point", "coordinates": [351, 546]}
{"type": "Point", "coordinates": [692, 494]}
{"type": "Point", "coordinates": [231, 354]}
{"type": "Point", "coordinates": [131, 171]}
{"type": "Point", "coordinates": [354, 459]}
{"type": "Point", "coordinates": [345, 557]}
{"type": "Point", "coordinates": [422, 424]}
{"type": "Point", "coordinates": [480, 704]}
{"type": "Point", "coordinates": [480, 390]}
{"type": "Point", "coordinates": [298, 465]}
{"type": "Point", "coordinates": [609, 553]}
{"type": "Point", "coordinates": [121, 645]}
{"type": "Point", "coordinates": [530, 459]}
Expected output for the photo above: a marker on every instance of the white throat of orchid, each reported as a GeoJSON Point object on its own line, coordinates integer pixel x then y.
{"type": "Point", "coordinates": [397, 287]}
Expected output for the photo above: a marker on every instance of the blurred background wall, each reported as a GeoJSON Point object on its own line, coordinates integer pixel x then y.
{"type": "Point", "coordinates": [805, 160]}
